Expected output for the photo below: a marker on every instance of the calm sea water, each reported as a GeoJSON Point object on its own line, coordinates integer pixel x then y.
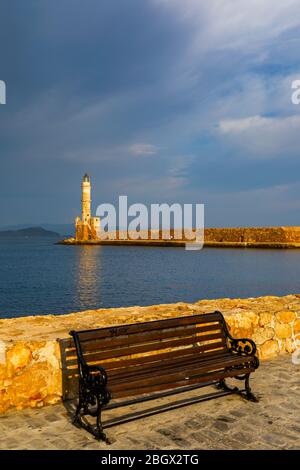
{"type": "Point", "coordinates": [39, 277]}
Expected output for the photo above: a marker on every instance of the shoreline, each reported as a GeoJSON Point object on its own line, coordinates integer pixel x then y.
{"type": "Point", "coordinates": [180, 243]}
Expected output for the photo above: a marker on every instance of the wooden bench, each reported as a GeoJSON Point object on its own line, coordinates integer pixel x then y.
{"type": "Point", "coordinates": [147, 360]}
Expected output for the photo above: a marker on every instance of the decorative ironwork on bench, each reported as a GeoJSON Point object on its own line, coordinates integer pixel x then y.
{"type": "Point", "coordinates": [242, 346]}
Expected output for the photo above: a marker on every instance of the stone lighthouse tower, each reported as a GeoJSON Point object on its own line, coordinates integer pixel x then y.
{"type": "Point", "coordinates": [86, 198]}
{"type": "Point", "coordinates": [87, 228]}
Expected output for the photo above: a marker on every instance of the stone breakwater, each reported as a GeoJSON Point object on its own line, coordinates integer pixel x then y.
{"type": "Point", "coordinates": [30, 358]}
{"type": "Point", "coordinates": [250, 237]}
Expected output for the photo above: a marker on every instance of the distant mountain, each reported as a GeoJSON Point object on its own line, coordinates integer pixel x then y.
{"type": "Point", "coordinates": [29, 232]}
{"type": "Point", "coordinates": [62, 229]}
{"type": "Point", "coordinates": [65, 230]}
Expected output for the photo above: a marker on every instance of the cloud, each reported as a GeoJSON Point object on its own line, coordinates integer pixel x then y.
{"type": "Point", "coordinates": [263, 137]}
{"type": "Point", "coordinates": [143, 149]}
{"type": "Point", "coordinates": [241, 125]}
{"type": "Point", "coordinates": [231, 24]}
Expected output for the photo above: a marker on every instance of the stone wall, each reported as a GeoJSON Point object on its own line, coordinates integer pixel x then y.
{"type": "Point", "coordinates": [30, 358]}
{"type": "Point", "coordinates": [253, 235]}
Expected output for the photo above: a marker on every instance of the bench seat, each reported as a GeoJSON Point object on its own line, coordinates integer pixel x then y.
{"type": "Point", "coordinates": [176, 373]}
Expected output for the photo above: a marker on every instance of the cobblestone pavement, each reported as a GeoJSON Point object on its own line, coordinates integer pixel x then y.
{"type": "Point", "coordinates": [228, 422]}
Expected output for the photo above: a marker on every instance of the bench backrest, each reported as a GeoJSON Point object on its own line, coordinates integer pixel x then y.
{"type": "Point", "coordinates": [134, 344]}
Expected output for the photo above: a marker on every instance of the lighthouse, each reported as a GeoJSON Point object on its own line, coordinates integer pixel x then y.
{"type": "Point", "coordinates": [86, 198]}
{"type": "Point", "coordinates": [86, 228]}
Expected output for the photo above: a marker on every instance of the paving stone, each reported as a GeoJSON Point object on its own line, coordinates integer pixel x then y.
{"type": "Point", "coordinates": [221, 426]}
{"type": "Point", "coordinates": [237, 413]}
{"type": "Point", "coordinates": [226, 419]}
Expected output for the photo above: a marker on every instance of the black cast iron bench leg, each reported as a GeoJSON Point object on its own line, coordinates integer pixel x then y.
{"type": "Point", "coordinates": [97, 430]}
{"type": "Point", "coordinates": [222, 385]}
{"type": "Point", "coordinates": [249, 395]}
{"type": "Point", "coordinates": [99, 433]}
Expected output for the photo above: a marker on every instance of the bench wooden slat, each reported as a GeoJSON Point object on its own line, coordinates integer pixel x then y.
{"type": "Point", "coordinates": [215, 376]}
{"type": "Point", "coordinates": [121, 364]}
{"type": "Point", "coordinates": [148, 336]}
{"type": "Point", "coordinates": [160, 345]}
{"type": "Point", "coordinates": [173, 374]}
{"type": "Point", "coordinates": [173, 367]}
{"type": "Point", "coordinates": [198, 335]}
{"type": "Point", "coordinates": [203, 350]}
{"type": "Point", "coordinates": [113, 331]}
{"type": "Point", "coordinates": [141, 370]}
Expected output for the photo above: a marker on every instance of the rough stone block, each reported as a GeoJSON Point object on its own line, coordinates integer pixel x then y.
{"type": "Point", "coordinates": [285, 316]}
{"type": "Point", "coordinates": [283, 331]}
{"type": "Point", "coordinates": [268, 350]}
{"type": "Point", "coordinates": [263, 334]}
{"type": "Point", "coordinates": [242, 324]}
{"type": "Point", "coordinates": [290, 346]}
{"type": "Point", "coordinates": [296, 326]}
{"type": "Point", "coordinates": [266, 318]}
{"type": "Point", "coordinates": [18, 357]}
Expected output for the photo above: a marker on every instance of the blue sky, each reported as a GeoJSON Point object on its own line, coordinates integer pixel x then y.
{"type": "Point", "coordinates": [160, 100]}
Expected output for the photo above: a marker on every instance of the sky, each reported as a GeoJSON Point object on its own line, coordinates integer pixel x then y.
{"type": "Point", "coordinates": [160, 100]}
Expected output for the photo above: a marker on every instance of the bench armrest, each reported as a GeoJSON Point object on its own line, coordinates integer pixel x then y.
{"type": "Point", "coordinates": [94, 379]}
{"type": "Point", "coordinates": [93, 375]}
{"type": "Point", "coordinates": [98, 371]}
{"type": "Point", "coordinates": [245, 346]}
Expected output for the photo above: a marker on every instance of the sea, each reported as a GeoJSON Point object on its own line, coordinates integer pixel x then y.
{"type": "Point", "coordinates": [40, 277]}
